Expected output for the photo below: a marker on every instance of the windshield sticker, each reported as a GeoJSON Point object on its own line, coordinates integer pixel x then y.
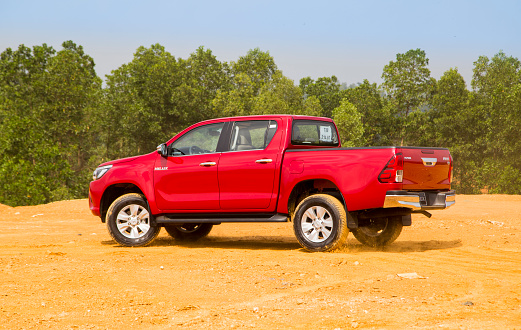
{"type": "Point", "coordinates": [325, 134]}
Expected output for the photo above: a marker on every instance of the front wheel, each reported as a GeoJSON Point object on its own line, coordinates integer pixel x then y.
{"type": "Point", "coordinates": [129, 221]}
{"type": "Point", "coordinates": [189, 231]}
{"type": "Point", "coordinates": [320, 223]}
{"type": "Point", "coordinates": [378, 232]}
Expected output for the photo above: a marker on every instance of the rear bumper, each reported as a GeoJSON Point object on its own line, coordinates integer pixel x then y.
{"type": "Point", "coordinates": [420, 200]}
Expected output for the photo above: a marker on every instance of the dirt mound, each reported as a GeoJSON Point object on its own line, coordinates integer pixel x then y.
{"type": "Point", "coordinates": [5, 208]}
{"type": "Point", "coordinates": [60, 269]}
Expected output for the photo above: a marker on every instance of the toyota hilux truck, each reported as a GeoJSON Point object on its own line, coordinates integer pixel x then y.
{"type": "Point", "coordinates": [270, 168]}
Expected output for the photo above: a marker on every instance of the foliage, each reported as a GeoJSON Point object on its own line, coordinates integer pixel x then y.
{"type": "Point", "coordinates": [497, 102]}
{"type": "Point", "coordinates": [259, 66]}
{"type": "Point", "coordinates": [46, 101]}
{"type": "Point", "coordinates": [409, 87]}
{"type": "Point", "coordinates": [349, 124]}
{"type": "Point", "coordinates": [326, 90]}
{"type": "Point", "coordinates": [407, 81]}
{"type": "Point", "coordinates": [312, 106]}
{"type": "Point", "coordinates": [377, 114]}
{"type": "Point", "coordinates": [140, 108]}
{"type": "Point", "coordinates": [258, 87]}
{"type": "Point", "coordinates": [278, 96]}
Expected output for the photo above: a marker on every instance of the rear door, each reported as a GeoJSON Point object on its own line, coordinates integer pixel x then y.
{"type": "Point", "coordinates": [426, 168]}
{"type": "Point", "coordinates": [248, 170]}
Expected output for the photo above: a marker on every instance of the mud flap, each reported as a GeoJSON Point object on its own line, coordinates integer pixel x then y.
{"type": "Point", "coordinates": [352, 220]}
{"type": "Point", "coordinates": [406, 220]}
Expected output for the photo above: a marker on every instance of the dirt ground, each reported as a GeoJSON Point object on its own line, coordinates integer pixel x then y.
{"type": "Point", "coordinates": [60, 269]}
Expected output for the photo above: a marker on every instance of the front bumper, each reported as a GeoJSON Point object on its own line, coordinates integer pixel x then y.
{"type": "Point", "coordinates": [94, 208]}
{"type": "Point", "coordinates": [420, 200]}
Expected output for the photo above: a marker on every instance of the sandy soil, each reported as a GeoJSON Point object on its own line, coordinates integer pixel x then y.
{"type": "Point", "coordinates": [59, 269]}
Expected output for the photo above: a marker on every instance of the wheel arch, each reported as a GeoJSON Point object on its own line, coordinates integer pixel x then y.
{"type": "Point", "coordinates": [310, 187]}
{"type": "Point", "coordinates": [113, 192]}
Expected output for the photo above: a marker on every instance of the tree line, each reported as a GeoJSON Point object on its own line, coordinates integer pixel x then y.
{"type": "Point", "coordinates": [58, 120]}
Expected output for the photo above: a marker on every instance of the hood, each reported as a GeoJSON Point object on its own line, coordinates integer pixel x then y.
{"type": "Point", "coordinates": [119, 161]}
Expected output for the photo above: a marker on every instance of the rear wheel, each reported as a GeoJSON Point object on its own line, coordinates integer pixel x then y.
{"type": "Point", "coordinates": [129, 221]}
{"type": "Point", "coordinates": [320, 223]}
{"type": "Point", "coordinates": [378, 232]}
{"type": "Point", "coordinates": [189, 231]}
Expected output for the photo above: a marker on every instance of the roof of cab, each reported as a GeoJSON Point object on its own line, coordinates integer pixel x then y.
{"type": "Point", "coordinates": [266, 117]}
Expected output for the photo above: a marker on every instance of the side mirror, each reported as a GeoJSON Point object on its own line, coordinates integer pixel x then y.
{"type": "Point", "coordinates": [162, 150]}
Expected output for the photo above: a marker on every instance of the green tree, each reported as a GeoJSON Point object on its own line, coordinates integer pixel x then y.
{"type": "Point", "coordinates": [496, 96]}
{"type": "Point", "coordinates": [349, 124]}
{"type": "Point", "coordinates": [457, 125]}
{"type": "Point", "coordinates": [450, 107]}
{"type": "Point", "coordinates": [409, 87]}
{"type": "Point", "coordinates": [202, 77]}
{"type": "Point", "coordinates": [407, 81]}
{"type": "Point", "coordinates": [278, 96]}
{"type": "Point", "coordinates": [258, 87]}
{"type": "Point", "coordinates": [238, 101]}
{"type": "Point", "coordinates": [49, 95]}
{"type": "Point", "coordinates": [326, 90]}
{"type": "Point", "coordinates": [312, 106]}
{"type": "Point", "coordinates": [259, 66]}
{"type": "Point", "coordinates": [71, 93]}
{"type": "Point", "coordinates": [377, 118]}
{"type": "Point", "coordinates": [142, 104]}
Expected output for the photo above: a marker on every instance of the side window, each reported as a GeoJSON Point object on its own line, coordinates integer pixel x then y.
{"type": "Point", "coordinates": [252, 134]}
{"type": "Point", "coordinates": [200, 140]}
{"type": "Point", "coordinates": [314, 132]}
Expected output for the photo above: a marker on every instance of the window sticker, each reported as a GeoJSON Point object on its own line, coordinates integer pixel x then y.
{"type": "Point", "coordinates": [326, 134]}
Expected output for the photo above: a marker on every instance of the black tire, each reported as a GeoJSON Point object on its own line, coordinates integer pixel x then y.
{"type": "Point", "coordinates": [189, 231]}
{"type": "Point", "coordinates": [320, 223]}
{"type": "Point", "coordinates": [129, 221]}
{"type": "Point", "coordinates": [378, 232]}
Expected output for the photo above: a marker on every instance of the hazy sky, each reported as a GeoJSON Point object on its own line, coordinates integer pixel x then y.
{"type": "Point", "coordinates": [350, 39]}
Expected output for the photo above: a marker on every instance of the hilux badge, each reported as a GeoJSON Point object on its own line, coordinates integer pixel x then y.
{"type": "Point", "coordinates": [160, 168]}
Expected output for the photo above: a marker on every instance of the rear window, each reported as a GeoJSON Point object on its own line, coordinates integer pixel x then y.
{"type": "Point", "coordinates": [314, 132]}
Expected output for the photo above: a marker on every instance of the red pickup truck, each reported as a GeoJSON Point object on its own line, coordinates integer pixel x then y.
{"type": "Point", "coordinates": [272, 168]}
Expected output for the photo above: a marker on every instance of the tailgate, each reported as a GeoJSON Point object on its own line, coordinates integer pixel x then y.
{"type": "Point", "coordinates": [426, 168]}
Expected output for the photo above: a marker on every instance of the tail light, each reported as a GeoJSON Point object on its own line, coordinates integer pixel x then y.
{"type": "Point", "coordinates": [393, 171]}
{"type": "Point", "coordinates": [451, 172]}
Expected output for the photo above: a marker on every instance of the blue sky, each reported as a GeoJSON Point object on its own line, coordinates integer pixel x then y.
{"type": "Point", "coordinates": [353, 40]}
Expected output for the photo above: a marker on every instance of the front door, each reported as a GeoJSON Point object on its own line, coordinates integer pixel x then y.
{"type": "Point", "coordinates": [187, 178]}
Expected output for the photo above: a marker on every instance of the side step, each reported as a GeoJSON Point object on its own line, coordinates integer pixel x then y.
{"type": "Point", "coordinates": [219, 218]}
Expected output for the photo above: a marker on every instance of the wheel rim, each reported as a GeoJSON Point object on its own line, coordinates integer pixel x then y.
{"type": "Point", "coordinates": [188, 227]}
{"type": "Point", "coordinates": [375, 228]}
{"type": "Point", "coordinates": [133, 221]}
{"type": "Point", "coordinates": [316, 224]}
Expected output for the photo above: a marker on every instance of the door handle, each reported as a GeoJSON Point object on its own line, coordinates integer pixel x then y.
{"type": "Point", "coordinates": [263, 161]}
{"type": "Point", "coordinates": [207, 164]}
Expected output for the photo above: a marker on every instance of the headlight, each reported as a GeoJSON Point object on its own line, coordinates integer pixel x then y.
{"type": "Point", "coordinates": [100, 171]}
